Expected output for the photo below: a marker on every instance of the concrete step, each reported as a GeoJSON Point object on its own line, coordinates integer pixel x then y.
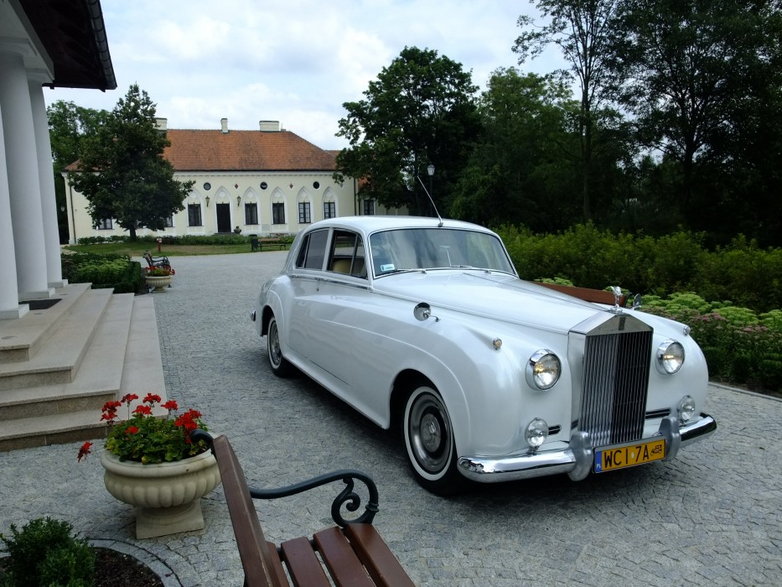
{"type": "Point", "coordinates": [75, 417]}
{"type": "Point", "coordinates": [98, 379]}
{"type": "Point", "coordinates": [52, 429]}
{"type": "Point", "coordinates": [21, 339]}
{"type": "Point", "coordinates": [59, 356]}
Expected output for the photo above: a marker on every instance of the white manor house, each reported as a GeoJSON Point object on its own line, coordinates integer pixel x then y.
{"type": "Point", "coordinates": [265, 181]}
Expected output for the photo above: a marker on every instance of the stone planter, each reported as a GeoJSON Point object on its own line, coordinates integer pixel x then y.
{"type": "Point", "coordinates": [167, 496]}
{"type": "Point", "coordinates": [158, 282]}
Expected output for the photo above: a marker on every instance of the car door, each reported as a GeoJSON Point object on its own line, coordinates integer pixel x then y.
{"type": "Point", "coordinates": [306, 278]}
{"type": "Point", "coordinates": [332, 310]}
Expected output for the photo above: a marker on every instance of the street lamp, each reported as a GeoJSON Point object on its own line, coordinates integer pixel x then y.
{"type": "Point", "coordinates": [430, 171]}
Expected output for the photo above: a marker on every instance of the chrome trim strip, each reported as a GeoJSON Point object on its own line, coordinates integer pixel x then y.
{"type": "Point", "coordinates": [576, 460]}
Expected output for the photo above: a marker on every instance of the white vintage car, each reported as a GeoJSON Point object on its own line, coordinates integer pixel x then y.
{"type": "Point", "coordinates": [424, 324]}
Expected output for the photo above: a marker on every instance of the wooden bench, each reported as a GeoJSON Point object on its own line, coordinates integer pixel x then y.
{"type": "Point", "coordinates": [350, 553]}
{"type": "Point", "coordinates": [257, 244]}
{"type": "Point", "coordinates": [587, 294]}
{"type": "Point", "coordinates": [156, 261]}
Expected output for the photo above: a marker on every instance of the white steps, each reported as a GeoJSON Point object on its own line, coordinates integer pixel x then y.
{"type": "Point", "coordinates": [58, 366]}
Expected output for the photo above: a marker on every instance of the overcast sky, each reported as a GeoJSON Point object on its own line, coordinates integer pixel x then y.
{"type": "Point", "coordinates": [296, 61]}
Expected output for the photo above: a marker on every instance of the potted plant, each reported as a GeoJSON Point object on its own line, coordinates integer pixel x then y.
{"type": "Point", "coordinates": [151, 462]}
{"type": "Point", "coordinates": [158, 276]}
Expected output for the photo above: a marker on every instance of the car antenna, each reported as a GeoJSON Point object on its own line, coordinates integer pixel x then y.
{"type": "Point", "coordinates": [428, 195]}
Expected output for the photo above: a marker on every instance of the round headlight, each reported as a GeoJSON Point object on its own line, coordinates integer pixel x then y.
{"type": "Point", "coordinates": [543, 369]}
{"type": "Point", "coordinates": [670, 356]}
{"type": "Point", "coordinates": [686, 409]}
{"type": "Point", "coordinates": [537, 432]}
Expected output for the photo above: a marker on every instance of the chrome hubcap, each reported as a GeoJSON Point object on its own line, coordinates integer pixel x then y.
{"type": "Point", "coordinates": [429, 433]}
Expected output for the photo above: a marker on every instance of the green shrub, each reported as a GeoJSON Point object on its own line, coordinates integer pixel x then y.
{"type": "Point", "coordinates": [739, 347]}
{"type": "Point", "coordinates": [772, 320]}
{"type": "Point", "coordinates": [103, 271]}
{"type": "Point", "coordinates": [743, 273]}
{"type": "Point", "coordinates": [45, 553]}
{"type": "Point", "coordinates": [590, 257]}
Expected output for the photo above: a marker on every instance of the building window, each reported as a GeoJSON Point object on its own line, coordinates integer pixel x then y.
{"type": "Point", "coordinates": [169, 222]}
{"type": "Point", "coordinates": [194, 215]}
{"type": "Point", "coordinates": [304, 213]}
{"type": "Point", "coordinates": [278, 213]}
{"type": "Point", "coordinates": [329, 209]}
{"type": "Point", "coordinates": [251, 213]}
{"type": "Point", "coordinates": [104, 224]}
{"type": "Point", "coordinates": [369, 207]}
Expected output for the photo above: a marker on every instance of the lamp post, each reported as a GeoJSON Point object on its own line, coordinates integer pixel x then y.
{"type": "Point", "coordinates": [430, 171]}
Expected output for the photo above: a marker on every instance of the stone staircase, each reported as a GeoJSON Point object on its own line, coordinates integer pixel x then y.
{"type": "Point", "coordinates": [60, 364]}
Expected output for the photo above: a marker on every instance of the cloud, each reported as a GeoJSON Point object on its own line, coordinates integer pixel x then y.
{"type": "Point", "coordinates": [296, 61]}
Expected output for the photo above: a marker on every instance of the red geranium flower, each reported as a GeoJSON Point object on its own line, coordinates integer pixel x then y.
{"type": "Point", "coordinates": [84, 451]}
{"type": "Point", "coordinates": [145, 437]}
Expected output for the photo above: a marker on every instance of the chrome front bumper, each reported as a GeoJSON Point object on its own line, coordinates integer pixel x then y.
{"type": "Point", "coordinates": [576, 460]}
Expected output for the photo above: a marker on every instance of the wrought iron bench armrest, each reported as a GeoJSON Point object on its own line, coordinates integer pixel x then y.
{"type": "Point", "coordinates": [347, 498]}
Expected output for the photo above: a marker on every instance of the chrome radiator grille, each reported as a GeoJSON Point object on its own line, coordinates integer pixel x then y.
{"type": "Point", "coordinates": [615, 382]}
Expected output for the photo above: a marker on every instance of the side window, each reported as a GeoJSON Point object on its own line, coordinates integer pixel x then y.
{"type": "Point", "coordinates": [347, 254]}
{"type": "Point", "coordinates": [313, 250]}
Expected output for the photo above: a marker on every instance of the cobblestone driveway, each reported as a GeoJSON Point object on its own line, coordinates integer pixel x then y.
{"type": "Point", "coordinates": [712, 516]}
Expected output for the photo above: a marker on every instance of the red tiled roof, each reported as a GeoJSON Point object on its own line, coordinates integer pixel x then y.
{"type": "Point", "coordinates": [245, 150]}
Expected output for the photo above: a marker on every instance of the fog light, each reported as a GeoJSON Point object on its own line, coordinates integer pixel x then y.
{"type": "Point", "coordinates": [686, 409]}
{"type": "Point", "coordinates": [537, 432]}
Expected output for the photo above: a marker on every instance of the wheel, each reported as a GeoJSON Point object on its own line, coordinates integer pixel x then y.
{"type": "Point", "coordinates": [429, 442]}
{"type": "Point", "coordinates": [280, 367]}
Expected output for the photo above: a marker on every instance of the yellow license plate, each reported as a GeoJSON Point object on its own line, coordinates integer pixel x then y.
{"type": "Point", "coordinates": [619, 457]}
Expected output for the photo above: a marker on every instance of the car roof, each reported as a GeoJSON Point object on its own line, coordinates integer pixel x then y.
{"type": "Point", "coordinates": [369, 224]}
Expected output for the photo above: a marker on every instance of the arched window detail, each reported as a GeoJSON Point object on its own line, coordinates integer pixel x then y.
{"type": "Point", "coordinates": [329, 204]}
{"type": "Point", "coordinates": [304, 206]}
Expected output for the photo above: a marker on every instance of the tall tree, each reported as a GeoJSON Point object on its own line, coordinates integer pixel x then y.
{"type": "Point", "coordinates": [122, 172]}
{"type": "Point", "coordinates": [69, 124]}
{"type": "Point", "coordinates": [524, 169]}
{"type": "Point", "coordinates": [696, 75]}
{"type": "Point", "coordinates": [582, 30]}
{"type": "Point", "coordinates": [420, 111]}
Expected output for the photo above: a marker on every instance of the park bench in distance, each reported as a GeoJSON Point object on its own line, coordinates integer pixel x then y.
{"type": "Point", "coordinates": [269, 242]}
{"type": "Point", "coordinates": [350, 553]}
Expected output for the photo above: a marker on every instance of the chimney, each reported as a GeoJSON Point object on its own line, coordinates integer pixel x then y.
{"type": "Point", "coordinates": [224, 125]}
{"type": "Point", "coordinates": [161, 123]}
{"type": "Point", "coordinates": [269, 125]}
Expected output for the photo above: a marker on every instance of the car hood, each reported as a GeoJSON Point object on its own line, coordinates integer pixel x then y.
{"type": "Point", "coordinates": [490, 295]}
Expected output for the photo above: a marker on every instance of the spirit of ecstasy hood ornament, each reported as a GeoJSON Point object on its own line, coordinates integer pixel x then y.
{"type": "Point", "coordinates": [617, 291]}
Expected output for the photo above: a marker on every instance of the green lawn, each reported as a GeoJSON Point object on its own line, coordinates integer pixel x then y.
{"type": "Point", "coordinates": [136, 249]}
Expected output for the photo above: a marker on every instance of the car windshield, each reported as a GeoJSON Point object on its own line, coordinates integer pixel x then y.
{"type": "Point", "coordinates": [414, 249]}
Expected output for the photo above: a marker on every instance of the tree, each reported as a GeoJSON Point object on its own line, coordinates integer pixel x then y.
{"type": "Point", "coordinates": [122, 171]}
{"type": "Point", "coordinates": [69, 124]}
{"type": "Point", "coordinates": [419, 112]}
{"type": "Point", "coordinates": [702, 80]}
{"type": "Point", "coordinates": [524, 169]}
{"type": "Point", "coordinates": [582, 29]}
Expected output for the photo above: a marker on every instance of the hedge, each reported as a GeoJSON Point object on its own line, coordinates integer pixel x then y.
{"type": "Point", "coordinates": [741, 273]}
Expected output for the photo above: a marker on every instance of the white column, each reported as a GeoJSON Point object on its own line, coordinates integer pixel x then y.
{"type": "Point", "coordinates": [23, 179]}
{"type": "Point", "coordinates": [51, 231]}
{"type": "Point", "coordinates": [9, 296]}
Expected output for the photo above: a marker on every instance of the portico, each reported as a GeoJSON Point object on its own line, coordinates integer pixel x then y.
{"type": "Point", "coordinates": [33, 37]}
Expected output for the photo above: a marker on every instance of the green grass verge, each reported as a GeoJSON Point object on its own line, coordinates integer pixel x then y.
{"type": "Point", "coordinates": [136, 249]}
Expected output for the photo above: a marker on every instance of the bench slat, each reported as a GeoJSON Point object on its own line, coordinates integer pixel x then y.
{"type": "Point", "coordinates": [373, 551]}
{"type": "Point", "coordinates": [340, 558]}
{"type": "Point", "coordinates": [276, 565]}
{"type": "Point", "coordinates": [303, 565]}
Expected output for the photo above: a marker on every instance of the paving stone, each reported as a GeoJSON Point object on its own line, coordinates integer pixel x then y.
{"type": "Point", "coordinates": [712, 516]}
